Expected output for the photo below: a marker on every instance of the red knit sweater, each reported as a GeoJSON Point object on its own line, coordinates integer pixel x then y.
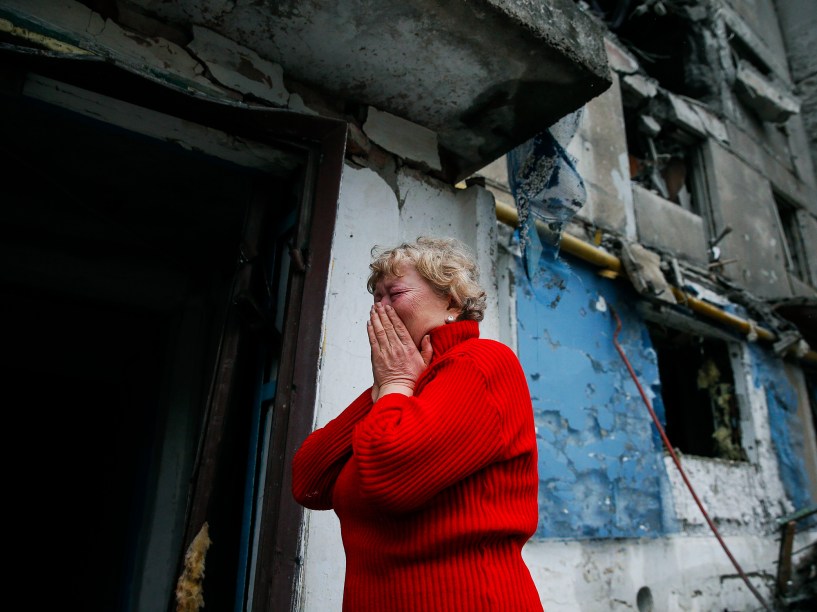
{"type": "Point", "coordinates": [436, 493]}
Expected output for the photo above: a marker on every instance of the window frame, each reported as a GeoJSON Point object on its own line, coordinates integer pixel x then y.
{"type": "Point", "coordinates": [687, 324]}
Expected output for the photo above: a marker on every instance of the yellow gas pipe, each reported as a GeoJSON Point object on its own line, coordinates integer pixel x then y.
{"type": "Point", "coordinates": [611, 267]}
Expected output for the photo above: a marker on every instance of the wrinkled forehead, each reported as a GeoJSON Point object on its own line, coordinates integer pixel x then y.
{"type": "Point", "coordinates": [395, 266]}
{"type": "Point", "coordinates": [397, 262]}
{"type": "Point", "coordinates": [393, 273]}
{"type": "Point", "coordinates": [394, 263]}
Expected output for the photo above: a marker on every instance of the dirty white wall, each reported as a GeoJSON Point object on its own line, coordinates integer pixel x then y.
{"type": "Point", "coordinates": [645, 575]}
{"type": "Point", "coordinates": [600, 146]}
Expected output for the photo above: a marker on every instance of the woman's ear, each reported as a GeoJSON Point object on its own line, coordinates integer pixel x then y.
{"type": "Point", "coordinates": [454, 305]}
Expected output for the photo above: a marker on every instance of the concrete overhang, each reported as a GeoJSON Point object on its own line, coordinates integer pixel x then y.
{"type": "Point", "coordinates": [802, 312]}
{"type": "Point", "coordinates": [484, 75]}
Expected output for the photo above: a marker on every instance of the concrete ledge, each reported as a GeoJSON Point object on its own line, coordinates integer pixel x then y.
{"type": "Point", "coordinates": [665, 225]}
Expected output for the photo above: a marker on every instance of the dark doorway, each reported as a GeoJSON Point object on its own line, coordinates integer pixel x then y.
{"type": "Point", "coordinates": [121, 258]}
{"type": "Point", "coordinates": [120, 253]}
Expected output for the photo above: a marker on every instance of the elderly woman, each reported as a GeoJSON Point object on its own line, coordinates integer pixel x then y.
{"type": "Point", "coordinates": [431, 471]}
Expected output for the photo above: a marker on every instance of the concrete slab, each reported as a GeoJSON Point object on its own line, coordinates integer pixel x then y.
{"type": "Point", "coordinates": [485, 75]}
{"type": "Point", "coordinates": [665, 225]}
{"type": "Point", "coordinates": [404, 138]}
{"type": "Point", "coordinates": [743, 200]}
{"type": "Point", "coordinates": [771, 103]}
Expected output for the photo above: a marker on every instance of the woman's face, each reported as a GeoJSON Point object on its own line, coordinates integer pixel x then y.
{"type": "Point", "coordinates": [414, 300]}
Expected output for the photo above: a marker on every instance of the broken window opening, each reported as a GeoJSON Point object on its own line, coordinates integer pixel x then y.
{"type": "Point", "coordinates": [742, 51]}
{"type": "Point", "coordinates": [763, 97]}
{"type": "Point", "coordinates": [670, 45]}
{"type": "Point", "coordinates": [811, 388]}
{"type": "Point", "coordinates": [698, 392]}
{"type": "Point", "coordinates": [793, 243]}
{"type": "Point", "coordinates": [662, 159]}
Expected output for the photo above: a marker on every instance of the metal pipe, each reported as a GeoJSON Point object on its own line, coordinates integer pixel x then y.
{"type": "Point", "coordinates": [570, 244]}
{"type": "Point", "coordinates": [713, 312]}
{"type": "Point", "coordinates": [611, 267]}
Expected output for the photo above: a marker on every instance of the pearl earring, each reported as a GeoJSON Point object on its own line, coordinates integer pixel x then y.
{"type": "Point", "coordinates": [449, 319]}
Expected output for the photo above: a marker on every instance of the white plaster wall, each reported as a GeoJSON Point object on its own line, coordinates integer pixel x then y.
{"type": "Point", "coordinates": [766, 488]}
{"type": "Point", "coordinates": [466, 214]}
{"type": "Point", "coordinates": [690, 574]}
{"type": "Point", "coordinates": [369, 214]}
{"type": "Point", "coordinates": [738, 497]}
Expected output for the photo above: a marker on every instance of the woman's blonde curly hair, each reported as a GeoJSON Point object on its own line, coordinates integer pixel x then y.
{"type": "Point", "coordinates": [446, 263]}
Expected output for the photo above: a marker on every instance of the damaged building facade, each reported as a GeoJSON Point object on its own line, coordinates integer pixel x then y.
{"type": "Point", "coordinates": [698, 177]}
{"type": "Point", "coordinates": [193, 189]}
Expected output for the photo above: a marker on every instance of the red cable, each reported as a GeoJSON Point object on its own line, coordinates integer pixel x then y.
{"type": "Point", "coordinates": [678, 463]}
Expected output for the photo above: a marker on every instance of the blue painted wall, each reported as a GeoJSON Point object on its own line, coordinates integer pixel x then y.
{"type": "Point", "coordinates": [786, 429]}
{"type": "Point", "coordinates": [600, 455]}
{"type": "Point", "coordinates": [600, 468]}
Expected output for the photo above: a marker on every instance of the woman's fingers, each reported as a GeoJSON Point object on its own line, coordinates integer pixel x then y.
{"type": "Point", "coordinates": [396, 361]}
{"type": "Point", "coordinates": [398, 327]}
{"type": "Point", "coordinates": [394, 330]}
{"type": "Point", "coordinates": [389, 328]}
{"type": "Point", "coordinates": [377, 332]}
{"type": "Point", "coordinates": [373, 341]}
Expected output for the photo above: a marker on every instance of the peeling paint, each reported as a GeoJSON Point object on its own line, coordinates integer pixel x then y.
{"type": "Point", "coordinates": [592, 439]}
{"type": "Point", "coordinates": [599, 458]}
{"type": "Point", "coordinates": [239, 68]}
{"type": "Point", "coordinates": [402, 137]}
{"type": "Point", "coordinates": [621, 178]}
{"type": "Point", "coordinates": [786, 430]}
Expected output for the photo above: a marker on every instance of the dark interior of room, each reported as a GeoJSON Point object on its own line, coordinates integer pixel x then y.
{"type": "Point", "coordinates": [106, 237]}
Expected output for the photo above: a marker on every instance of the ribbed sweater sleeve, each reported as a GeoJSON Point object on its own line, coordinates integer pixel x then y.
{"type": "Point", "coordinates": [410, 448]}
{"type": "Point", "coordinates": [319, 460]}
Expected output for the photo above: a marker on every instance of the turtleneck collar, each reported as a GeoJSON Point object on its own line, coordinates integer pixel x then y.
{"type": "Point", "coordinates": [449, 335]}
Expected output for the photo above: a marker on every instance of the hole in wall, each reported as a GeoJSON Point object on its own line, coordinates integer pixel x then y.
{"type": "Point", "coordinates": [698, 393]}
{"type": "Point", "coordinates": [643, 600]}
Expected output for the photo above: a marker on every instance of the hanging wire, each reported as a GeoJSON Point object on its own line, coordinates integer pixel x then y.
{"type": "Point", "coordinates": [677, 462]}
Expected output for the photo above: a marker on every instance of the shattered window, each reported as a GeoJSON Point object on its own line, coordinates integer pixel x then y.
{"type": "Point", "coordinates": [673, 45]}
{"type": "Point", "coordinates": [743, 52]}
{"type": "Point", "coordinates": [759, 92]}
{"type": "Point", "coordinates": [793, 238]}
{"type": "Point", "coordinates": [662, 159]}
{"type": "Point", "coordinates": [670, 40]}
{"type": "Point", "coordinates": [811, 386]}
{"type": "Point", "coordinates": [698, 392]}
